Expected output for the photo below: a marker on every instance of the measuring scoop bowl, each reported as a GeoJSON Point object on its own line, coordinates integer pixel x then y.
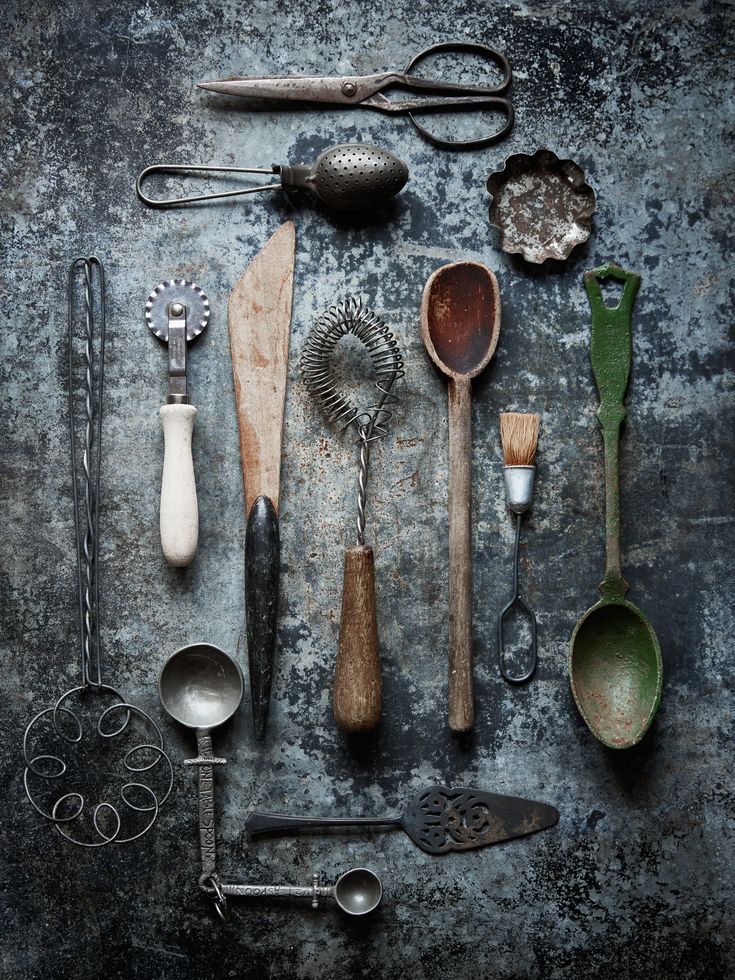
{"type": "Point", "coordinates": [358, 891]}
{"type": "Point", "coordinates": [200, 686]}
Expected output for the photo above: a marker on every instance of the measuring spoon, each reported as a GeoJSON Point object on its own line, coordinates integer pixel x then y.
{"type": "Point", "coordinates": [357, 892]}
{"type": "Point", "coordinates": [201, 687]}
{"type": "Point", "coordinates": [615, 663]}
{"type": "Point", "coordinates": [460, 325]}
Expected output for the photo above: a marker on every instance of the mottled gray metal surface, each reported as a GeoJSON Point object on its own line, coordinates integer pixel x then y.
{"type": "Point", "coordinates": [637, 879]}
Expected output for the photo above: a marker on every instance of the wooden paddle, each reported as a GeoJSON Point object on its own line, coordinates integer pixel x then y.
{"type": "Point", "coordinates": [260, 329]}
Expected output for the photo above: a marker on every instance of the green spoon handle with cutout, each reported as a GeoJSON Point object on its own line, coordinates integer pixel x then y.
{"type": "Point", "coordinates": [611, 353]}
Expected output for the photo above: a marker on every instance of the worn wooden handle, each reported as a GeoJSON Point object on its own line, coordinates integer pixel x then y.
{"type": "Point", "coordinates": [461, 707]}
{"type": "Point", "coordinates": [357, 685]}
{"type": "Point", "coordinates": [179, 513]}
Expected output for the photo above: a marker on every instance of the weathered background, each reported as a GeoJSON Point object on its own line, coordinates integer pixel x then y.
{"type": "Point", "coordinates": [636, 880]}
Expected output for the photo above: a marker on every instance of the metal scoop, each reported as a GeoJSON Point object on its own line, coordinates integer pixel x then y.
{"type": "Point", "coordinates": [615, 662]}
{"type": "Point", "coordinates": [351, 176]}
{"type": "Point", "coordinates": [201, 687]}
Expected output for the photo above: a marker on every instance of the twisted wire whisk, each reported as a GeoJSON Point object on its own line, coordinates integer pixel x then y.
{"type": "Point", "coordinates": [371, 422]}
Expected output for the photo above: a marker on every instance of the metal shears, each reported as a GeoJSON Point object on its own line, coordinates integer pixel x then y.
{"type": "Point", "coordinates": [366, 92]}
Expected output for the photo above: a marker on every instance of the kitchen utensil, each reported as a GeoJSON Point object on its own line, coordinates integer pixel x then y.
{"type": "Point", "coordinates": [542, 205]}
{"type": "Point", "coordinates": [201, 688]}
{"type": "Point", "coordinates": [356, 892]}
{"type": "Point", "coordinates": [357, 683]}
{"type": "Point", "coordinates": [460, 325]}
{"type": "Point", "coordinates": [615, 661]}
{"type": "Point", "coordinates": [366, 92]}
{"type": "Point", "coordinates": [177, 311]}
{"type": "Point", "coordinates": [260, 329]}
{"type": "Point", "coordinates": [519, 436]}
{"type": "Point", "coordinates": [84, 705]}
{"type": "Point", "coordinates": [438, 819]}
{"type": "Point", "coordinates": [350, 176]}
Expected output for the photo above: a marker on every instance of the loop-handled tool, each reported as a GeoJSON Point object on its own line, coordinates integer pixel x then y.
{"type": "Point", "coordinates": [519, 436]}
{"type": "Point", "coordinates": [367, 92]}
{"type": "Point", "coordinates": [177, 311]}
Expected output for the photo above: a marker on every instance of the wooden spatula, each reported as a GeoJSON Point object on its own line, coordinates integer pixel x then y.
{"type": "Point", "coordinates": [260, 329]}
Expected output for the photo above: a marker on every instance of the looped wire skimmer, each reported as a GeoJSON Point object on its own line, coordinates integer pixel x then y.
{"type": "Point", "coordinates": [125, 812]}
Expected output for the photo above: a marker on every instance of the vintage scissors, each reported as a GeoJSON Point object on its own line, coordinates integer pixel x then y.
{"type": "Point", "coordinates": [366, 92]}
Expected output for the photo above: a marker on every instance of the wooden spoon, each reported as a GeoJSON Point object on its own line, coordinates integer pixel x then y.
{"type": "Point", "coordinates": [460, 324]}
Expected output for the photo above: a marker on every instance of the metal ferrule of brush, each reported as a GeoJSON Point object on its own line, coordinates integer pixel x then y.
{"type": "Point", "coordinates": [519, 487]}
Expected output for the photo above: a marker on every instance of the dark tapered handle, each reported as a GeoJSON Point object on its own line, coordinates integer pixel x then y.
{"type": "Point", "coordinates": [357, 691]}
{"type": "Point", "coordinates": [281, 823]}
{"type": "Point", "coordinates": [262, 560]}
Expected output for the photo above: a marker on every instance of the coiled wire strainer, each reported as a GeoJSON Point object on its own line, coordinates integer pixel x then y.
{"type": "Point", "coordinates": [357, 684]}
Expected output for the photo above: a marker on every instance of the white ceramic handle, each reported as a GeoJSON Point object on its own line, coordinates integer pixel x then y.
{"type": "Point", "coordinates": [179, 513]}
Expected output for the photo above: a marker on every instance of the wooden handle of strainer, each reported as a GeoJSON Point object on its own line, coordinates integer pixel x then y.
{"type": "Point", "coordinates": [357, 693]}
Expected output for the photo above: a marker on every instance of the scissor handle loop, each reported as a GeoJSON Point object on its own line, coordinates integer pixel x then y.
{"type": "Point", "coordinates": [468, 47]}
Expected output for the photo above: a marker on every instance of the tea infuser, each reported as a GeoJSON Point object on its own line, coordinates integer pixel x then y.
{"type": "Point", "coordinates": [348, 177]}
{"type": "Point", "coordinates": [114, 816]}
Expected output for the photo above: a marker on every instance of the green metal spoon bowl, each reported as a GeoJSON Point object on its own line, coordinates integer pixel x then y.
{"type": "Point", "coordinates": [615, 665]}
{"type": "Point", "coordinates": [616, 672]}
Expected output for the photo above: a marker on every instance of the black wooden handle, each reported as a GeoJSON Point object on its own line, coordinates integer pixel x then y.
{"type": "Point", "coordinates": [281, 823]}
{"type": "Point", "coordinates": [262, 560]}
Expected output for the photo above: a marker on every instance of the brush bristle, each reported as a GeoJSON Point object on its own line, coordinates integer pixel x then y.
{"type": "Point", "coordinates": [519, 435]}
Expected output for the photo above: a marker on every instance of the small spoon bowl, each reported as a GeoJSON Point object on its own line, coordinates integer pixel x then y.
{"type": "Point", "coordinates": [616, 672]}
{"type": "Point", "coordinates": [200, 686]}
{"type": "Point", "coordinates": [358, 891]}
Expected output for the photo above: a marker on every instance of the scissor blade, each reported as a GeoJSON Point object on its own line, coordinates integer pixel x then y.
{"type": "Point", "coordinates": [345, 90]}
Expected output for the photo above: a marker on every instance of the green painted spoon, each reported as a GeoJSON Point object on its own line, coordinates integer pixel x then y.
{"type": "Point", "coordinates": [615, 660]}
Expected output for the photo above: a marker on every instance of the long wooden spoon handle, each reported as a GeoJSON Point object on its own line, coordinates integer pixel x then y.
{"type": "Point", "coordinates": [357, 691]}
{"type": "Point", "coordinates": [611, 354]}
{"type": "Point", "coordinates": [461, 707]}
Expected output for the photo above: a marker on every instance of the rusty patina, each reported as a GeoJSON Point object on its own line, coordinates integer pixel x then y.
{"type": "Point", "coordinates": [541, 204]}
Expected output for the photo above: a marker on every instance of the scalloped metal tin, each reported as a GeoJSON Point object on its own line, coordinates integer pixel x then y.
{"type": "Point", "coordinates": [542, 206]}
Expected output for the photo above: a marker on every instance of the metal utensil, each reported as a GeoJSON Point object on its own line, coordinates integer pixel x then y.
{"type": "Point", "coordinates": [542, 206]}
{"type": "Point", "coordinates": [351, 176]}
{"type": "Point", "coordinates": [519, 436]}
{"type": "Point", "coordinates": [615, 663]}
{"type": "Point", "coordinates": [260, 330]}
{"type": "Point", "coordinates": [177, 311]}
{"type": "Point", "coordinates": [357, 690]}
{"type": "Point", "coordinates": [357, 892]}
{"type": "Point", "coordinates": [65, 721]}
{"type": "Point", "coordinates": [438, 819]}
{"type": "Point", "coordinates": [460, 326]}
{"type": "Point", "coordinates": [201, 688]}
{"type": "Point", "coordinates": [366, 92]}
